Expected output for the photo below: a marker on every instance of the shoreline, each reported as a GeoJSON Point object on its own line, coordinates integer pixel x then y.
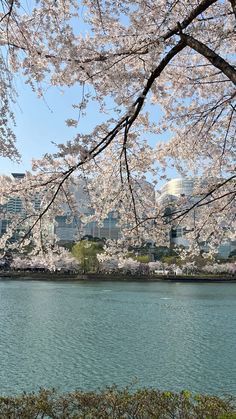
{"type": "Point", "coordinates": [93, 277]}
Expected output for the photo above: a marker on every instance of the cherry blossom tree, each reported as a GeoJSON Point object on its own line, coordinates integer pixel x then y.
{"type": "Point", "coordinates": [107, 264]}
{"type": "Point", "coordinates": [143, 59]}
{"type": "Point", "coordinates": [218, 268]}
{"type": "Point", "coordinates": [60, 261]}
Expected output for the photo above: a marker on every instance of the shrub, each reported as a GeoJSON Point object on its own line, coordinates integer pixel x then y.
{"type": "Point", "coordinates": [113, 403]}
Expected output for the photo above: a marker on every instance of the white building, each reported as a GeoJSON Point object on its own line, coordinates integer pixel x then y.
{"type": "Point", "coordinates": [178, 187]}
{"type": "Point", "coordinates": [169, 194]}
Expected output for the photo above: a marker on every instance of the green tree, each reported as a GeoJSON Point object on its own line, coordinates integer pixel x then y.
{"type": "Point", "coordinates": [172, 260]}
{"type": "Point", "coordinates": [86, 253]}
{"type": "Point", "coordinates": [143, 258]}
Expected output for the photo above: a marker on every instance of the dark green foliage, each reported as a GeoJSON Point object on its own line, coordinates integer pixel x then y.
{"type": "Point", "coordinates": [117, 404]}
{"type": "Point", "coordinates": [161, 252]}
{"type": "Point", "coordinates": [68, 245]}
{"type": "Point", "coordinates": [94, 239]}
{"type": "Point", "coordinates": [232, 255]}
{"type": "Point", "coordinates": [151, 252]}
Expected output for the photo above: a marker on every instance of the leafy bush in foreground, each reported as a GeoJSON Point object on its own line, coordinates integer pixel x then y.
{"type": "Point", "coordinates": [117, 404]}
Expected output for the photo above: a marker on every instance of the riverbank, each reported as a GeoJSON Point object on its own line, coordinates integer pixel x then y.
{"type": "Point", "coordinates": [61, 276]}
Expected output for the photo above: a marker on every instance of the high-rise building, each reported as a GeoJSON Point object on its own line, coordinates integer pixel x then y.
{"type": "Point", "coordinates": [167, 197]}
{"type": "Point", "coordinates": [13, 206]}
{"type": "Point", "coordinates": [107, 229]}
{"type": "Point", "coordinates": [178, 187]}
{"type": "Point", "coordinates": [72, 230]}
{"type": "Point", "coordinates": [66, 230]}
{"type": "Point", "coordinates": [69, 228]}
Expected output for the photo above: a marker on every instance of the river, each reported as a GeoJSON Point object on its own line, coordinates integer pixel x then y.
{"type": "Point", "coordinates": [87, 335]}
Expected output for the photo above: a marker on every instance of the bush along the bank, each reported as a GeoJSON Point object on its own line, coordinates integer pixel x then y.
{"type": "Point", "coordinates": [117, 404]}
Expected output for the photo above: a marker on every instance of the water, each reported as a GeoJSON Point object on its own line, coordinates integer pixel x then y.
{"type": "Point", "coordinates": [89, 335]}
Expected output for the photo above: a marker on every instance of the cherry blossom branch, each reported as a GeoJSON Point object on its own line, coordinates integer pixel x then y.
{"type": "Point", "coordinates": [199, 203]}
{"type": "Point", "coordinates": [202, 204]}
{"type": "Point", "coordinates": [227, 130]}
{"type": "Point", "coordinates": [204, 5]}
{"type": "Point", "coordinates": [215, 59]}
{"type": "Point", "coordinates": [233, 4]}
{"type": "Point", "coordinates": [8, 14]}
{"type": "Point", "coordinates": [142, 50]}
{"type": "Point", "coordinates": [128, 170]}
{"type": "Point", "coordinates": [40, 216]}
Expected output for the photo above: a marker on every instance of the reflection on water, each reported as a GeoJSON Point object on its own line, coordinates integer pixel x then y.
{"type": "Point", "coordinates": [89, 335]}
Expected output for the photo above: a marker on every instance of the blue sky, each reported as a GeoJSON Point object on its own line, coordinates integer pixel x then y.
{"type": "Point", "coordinates": [42, 121]}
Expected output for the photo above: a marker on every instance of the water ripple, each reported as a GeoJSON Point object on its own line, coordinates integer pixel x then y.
{"type": "Point", "coordinates": [89, 335]}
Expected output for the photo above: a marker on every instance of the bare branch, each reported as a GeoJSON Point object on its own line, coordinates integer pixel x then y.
{"type": "Point", "coordinates": [201, 202]}
{"type": "Point", "coordinates": [9, 12]}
